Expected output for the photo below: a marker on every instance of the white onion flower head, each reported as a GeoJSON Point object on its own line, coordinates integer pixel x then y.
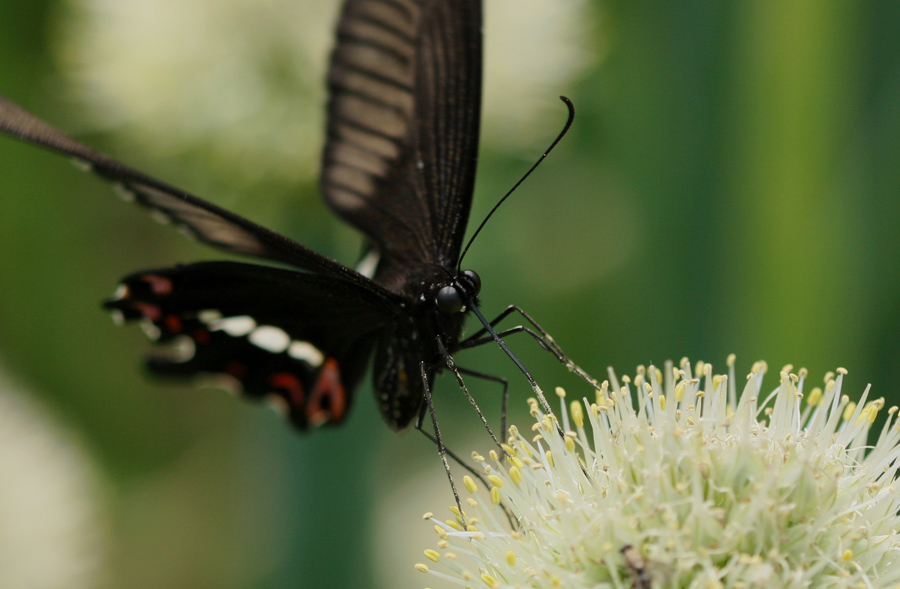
{"type": "Point", "coordinates": [672, 480]}
{"type": "Point", "coordinates": [54, 524]}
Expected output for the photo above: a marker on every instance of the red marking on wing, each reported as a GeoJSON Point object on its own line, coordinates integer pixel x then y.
{"type": "Point", "coordinates": [151, 312]}
{"type": "Point", "coordinates": [201, 336]}
{"type": "Point", "coordinates": [328, 401]}
{"type": "Point", "coordinates": [235, 369]}
{"type": "Point", "coordinates": [160, 285]}
{"type": "Point", "coordinates": [173, 323]}
{"type": "Point", "coordinates": [290, 383]}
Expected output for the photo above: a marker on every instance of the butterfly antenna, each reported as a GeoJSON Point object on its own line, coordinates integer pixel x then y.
{"type": "Point", "coordinates": [559, 137]}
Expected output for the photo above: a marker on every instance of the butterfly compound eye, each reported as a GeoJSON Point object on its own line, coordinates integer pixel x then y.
{"type": "Point", "coordinates": [449, 300]}
{"type": "Point", "coordinates": [474, 281]}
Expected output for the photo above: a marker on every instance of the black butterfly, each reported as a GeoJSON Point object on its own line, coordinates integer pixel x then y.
{"type": "Point", "coordinates": [399, 165]}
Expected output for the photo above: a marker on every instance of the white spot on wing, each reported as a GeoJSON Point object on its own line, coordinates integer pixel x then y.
{"type": "Point", "coordinates": [160, 217]}
{"type": "Point", "coordinates": [369, 263]}
{"type": "Point", "coordinates": [81, 164]}
{"type": "Point", "coordinates": [208, 316]}
{"type": "Point", "coordinates": [307, 352]}
{"type": "Point", "coordinates": [124, 193]}
{"type": "Point", "coordinates": [187, 232]}
{"type": "Point", "coordinates": [234, 326]}
{"type": "Point", "coordinates": [122, 292]}
{"type": "Point", "coordinates": [117, 317]}
{"type": "Point", "coordinates": [180, 350]}
{"type": "Point", "coordinates": [270, 338]}
{"type": "Point", "coordinates": [151, 330]}
{"type": "Point", "coordinates": [278, 403]}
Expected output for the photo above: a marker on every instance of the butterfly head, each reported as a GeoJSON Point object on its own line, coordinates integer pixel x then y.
{"type": "Point", "coordinates": [454, 297]}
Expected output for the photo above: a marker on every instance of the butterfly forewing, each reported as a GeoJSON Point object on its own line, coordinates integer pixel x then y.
{"type": "Point", "coordinates": [399, 163]}
{"type": "Point", "coordinates": [201, 220]}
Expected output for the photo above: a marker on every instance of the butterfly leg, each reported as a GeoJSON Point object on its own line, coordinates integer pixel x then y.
{"type": "Point", "coordinates": [420, 421]}
{"type": "Point", "coordinates": [544, 339]}
{"type": "Point", "coordinates": [442, 450]}
{"type": "Point", "coordinates": [505, 395]}
{"type": "Point", "coordinates": [451, 365]}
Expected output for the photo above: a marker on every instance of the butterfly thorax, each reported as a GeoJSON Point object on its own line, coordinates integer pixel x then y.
{"type": "Point", "coordinates": [437, 301]}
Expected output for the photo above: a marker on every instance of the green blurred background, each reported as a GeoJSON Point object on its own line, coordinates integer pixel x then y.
{"type": "Point", "coordinates": [730, 185]}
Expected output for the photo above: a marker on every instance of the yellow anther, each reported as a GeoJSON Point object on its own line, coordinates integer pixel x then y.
{"type": "Point", "coordinates": [471, 487]}
{"type": "Point", "coordinates": [454, 510]}
{"type": "Point", "coordinates": [422, 568]}
{"type": "Point", "coordinates": [440, 531]}
{"type": "Point", "coordinates": [815, 397]}
{"type": "Point", "coordinates": [662, 402]}
{"type": "Point", "coordinates": [509, 449]}
{"type": "Point", "coordinates": [537, 438]}
{"type": "Point", "coordinates": [477, 457]}
{"type": "Point", "coordinates": [871, 410]}
{"type": "Point", "coordinates": [679, 390]}
{"type": "Point", "coordinates": [432, 555]}
{"type": "Point", "coordinates": [510, 557]}
{"type": "Point", "coordinates": [495, 495]}
{"type": "Point", "coordinates": [490, 581]}
{"type": "Point", "coordinates": [842, 371]}
{"type": "Point", "coordinates": [848, 410]}
{"type": "Point", "coordinates": [550, 458]}
{"type": "Point", "coordinates": [427, 515]}
{"type": "Point", "coordinates": [472, 501]}
{"type": "Point", "coordinates": [453, 524]}
{"type": "Point", "coordinates": [493, 455]}
{"type": "Point", "coordinates": [730, 360]}
{"type": "Point", "coordinates": [577, 414]}
{"type": "Point", "coordinates": [847, 555]}
{"type": "Point", "coordinates": [570, 444]}
{"type": "Point", "coordinates": [443, 544]}
{"type": "Point", "coordinates": [495, 480]}
{"type": "Point", "coordinates": [515, 462]}
{"type": "Point", "coordinates": [515, 475]}
{"type": "Point", "coordinates": [513, 431]}
{"type": "Point", "coordinates": [561, 392]}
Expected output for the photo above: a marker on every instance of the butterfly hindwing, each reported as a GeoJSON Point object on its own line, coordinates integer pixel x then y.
{"type": "Point", "coordinates": [299, 339]}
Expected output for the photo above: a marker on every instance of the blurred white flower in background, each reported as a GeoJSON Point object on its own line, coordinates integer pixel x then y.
{"type": "Point", "coordinates": [680, 482]}
{"type": "Point", "coordinates": [53, 529]}
{"type": "Point", "coordinates": [242, 82]}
